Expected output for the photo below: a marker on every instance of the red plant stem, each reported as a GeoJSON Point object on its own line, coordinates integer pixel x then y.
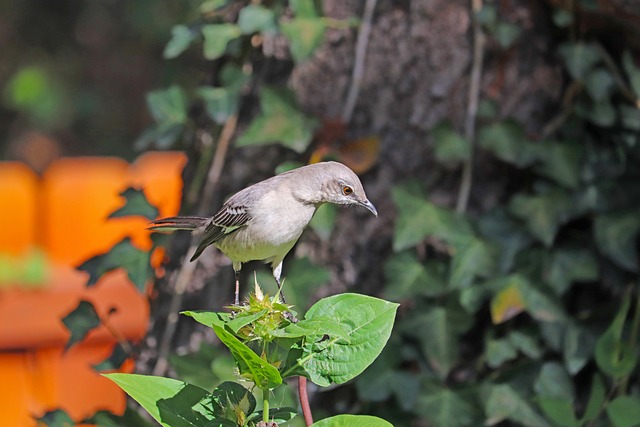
{"type": "Point", "coordinates": [304, 401]}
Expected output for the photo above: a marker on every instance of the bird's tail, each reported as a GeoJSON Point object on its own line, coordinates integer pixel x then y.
{"type": "Point", "coordinates": [174, 223]}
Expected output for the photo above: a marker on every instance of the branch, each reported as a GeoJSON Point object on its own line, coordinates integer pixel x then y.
{"type": "Point", "coordinates": [472, 107]}
{"type": "Point", "coordinates": [304, 400]}
{"type": "Point", "coordinates": [358, 67]}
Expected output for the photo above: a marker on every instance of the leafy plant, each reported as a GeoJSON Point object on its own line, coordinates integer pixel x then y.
{"type": "Point", "coordinates": [335, 341]}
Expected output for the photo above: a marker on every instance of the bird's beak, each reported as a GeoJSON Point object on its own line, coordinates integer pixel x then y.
{"type": "Point", "coordinates": [367, 204]}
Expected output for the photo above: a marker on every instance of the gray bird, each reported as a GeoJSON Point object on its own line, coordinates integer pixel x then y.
{"type": "Point", "coordinates": [264, 221]}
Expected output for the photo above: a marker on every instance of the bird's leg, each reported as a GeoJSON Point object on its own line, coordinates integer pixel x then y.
{"type": "Point", "coordinates": [277, 271]}
{"type": "Point", "coordinates": [236, 270]}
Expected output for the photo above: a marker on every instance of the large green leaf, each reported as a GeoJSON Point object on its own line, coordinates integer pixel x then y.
{"type": "Point", "coordinates": [281, 121]}
{"type": "Point", "coordinates": [615, 357]}
{"type": "Point", "coordinates": [624, 411]}
{"type": "Point", "coordinates": [450, 146]}
{"type": "Point", "coordinates": [616, 235]}
{"type": "Point", "coordinates": [80, 321]}
{"type": "Point", "coordinates": [369, 322]}
{"type": "Point", "coordinates": [123, 255]}
{"type": "Point", "coordinates": [561, 161]}
{"type": "Point", "coordinates": [352, 421]}
{"type": "Point", "coordinates": [553, 381]}
{"type": "Point", "coordinates": [256, 18]}
{"type": "Point", "coordinates": [171, 402]}
{"type": "Point", "coordinates": [252, 366]}
{"type": "Point", "coordinates": [216, 38]}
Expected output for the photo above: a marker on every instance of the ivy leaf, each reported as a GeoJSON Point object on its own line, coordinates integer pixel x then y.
{"type": "Point", "coordinates": [624, 411]}
{"type": "Point", "coordinates": [323, 221]}
{"type": "Point", "coordinates": [304, 35]}
{"type": "Point", "coordinates": [474, 258]}
{"type": "Point", "coordinates": [506, 34]}
{"type": "Point", "coordinates": [114, 361]}
{"type": "Point", "coordinates": [281, 121]}
{"type": "Point", "coordinates": [450, 146]}
{"type": "Point", "coordinates": [256, 18]}
{"type": "Point", "coordinates": [561, 161]}
{"type": "Point", "coordinates": [504, 403]}
{"type": "Point", "coordinates": [123, 255]}
{"type": "Point", "coordinates": [567, 266]}
{"type": "Point", "coordinates": [181, 38]}
{"type": "Point", "coordinates": [615, 235]}
{"type": "Point", "coordinates": [57, 418]}
{"type": "Point", "coordinates": [442, 406]}
{"type": "Point", "coordinates": [615, 357]}
{"type": "Point", "coordinates": [80, 321]}
{"type": "Point", "coordinates": [499, 351]}
{"type": "Point", "coordinates": [304, 8]}
{"type": "Point", "coordinates": [407, 277]}
{"type": "Point", "coordinates": [136, 204]}
{"type": "Point", "coordinates": [599, 84]}
{"type": "Point", "coordinates": [168, 106]}
{"type": "Point", "coordinates": [507, 141]}
{"type": "Point", "coordinates": [543, 213]}
{"type": "Point", "coordinates": [216, 38]}
{"type": "Point", "coordinates": [580, 58]}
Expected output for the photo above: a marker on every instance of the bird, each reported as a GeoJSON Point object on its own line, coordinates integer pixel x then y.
{"type": "Point", "coordinates": [264, 221]}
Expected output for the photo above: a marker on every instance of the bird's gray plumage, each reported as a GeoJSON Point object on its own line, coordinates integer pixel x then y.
{"type": "Point", "coordinates": [264, 221]}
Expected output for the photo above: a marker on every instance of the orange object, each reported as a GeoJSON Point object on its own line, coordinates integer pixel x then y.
{"type": "Point", "coordinates": [65, 215]}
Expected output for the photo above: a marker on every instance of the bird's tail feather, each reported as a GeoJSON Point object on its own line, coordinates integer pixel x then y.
{"type": "Point", "coordinates": [190, 223]}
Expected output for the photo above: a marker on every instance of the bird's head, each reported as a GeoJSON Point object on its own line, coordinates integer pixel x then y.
{"type": "Point", "coordinates": [341, 186]}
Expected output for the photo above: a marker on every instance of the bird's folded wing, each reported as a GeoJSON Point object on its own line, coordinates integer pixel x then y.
{"type": "Point", "coordinates": [228, 219]}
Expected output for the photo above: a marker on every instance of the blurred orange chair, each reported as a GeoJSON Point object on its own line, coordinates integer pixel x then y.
{"type": "Point", "coordinates": [64, 214]}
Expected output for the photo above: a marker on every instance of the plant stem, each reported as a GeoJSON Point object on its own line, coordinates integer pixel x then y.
{"type": "Point", "coordinates": [265, 405]}
{"type": "Point", "coordinates": [304, 400]}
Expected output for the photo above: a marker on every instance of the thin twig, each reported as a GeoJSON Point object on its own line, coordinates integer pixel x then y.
{"type": "Point", "coordinates": [188, 268]}
{"type": "Point", "coordinates": [472, 107]}
{"type": "Point", "coordinates": [304, 400]}
{"type": "Point", "coordinates": [358, 67]}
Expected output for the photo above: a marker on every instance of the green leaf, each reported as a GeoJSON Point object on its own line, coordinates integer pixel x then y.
{"type": "Point", "coordinates": [553, 381]}
{"type": "Point", "coordinates": [630, 117]}
{"type": "Point", "coordinates": [369, 322]}
{"type": "Point", "coordinates": [450, 146]}
{"type": "Point", "coordinates": [615, 357]}
{"type": "Point", "coordinates": [596, 399]}
{"type": "Point", "coordinates": [407, 277]}
{"type": "Point", "coordinates": [559, 410]}
{"type": "Point", "coordinates": [171, 402]}
{"type": "Point", "coordinates": [504, 403]}
{"type": "Point", "coordinates": [544, 213]}
{"type": "Point", "coordinates": [419, 218]}
{"type": "Point", "coordinates": [80, 321]}
{"type": "Point", "coordinates": [114, 361]}
{"type": "Point", "coordinates": [323, 221]}
{"type": "Point", "coordinates": [616, 234]}
{"type": "Point", "coordinates": [130, 418]}
{"type": "Point", "coordinates": [507, 141]}
{"type": "Point", "coordinates": [231, 398]}
{"type": "Point", "coordinates": [168, 106]}
{"type": "Point", "coordinates": [632, 71]}
{"type": "Point", "coordinates": [317, 327]}
{"type": "Point", "coordinates": [442, 406]}
{"type": "Point", "coordinates": [281, 121]}
{"type": "Point", "coordinates": [502, 229]}
{"type": "Point", "coordinates": [216, 38]}
{"type": "Point", "coordinates": [526, 344]}
{"type": "Point", "coordinates": [506, 34]}
{"type": "Point", "coordinates": [352, 421]}
{"type": "Point", "coordinates": [304, 8]}
{"type": "Point", "coordinates": [162, 136]}
{"type": "Point", "coordinates": [219, 102]}
{"type": "Point", "coordinates": [57, 418]}
{"type": "Point", "coordinates": [304, 35]}
{"type": "Point", "coordinates": [256, 18]}
{"type": "Point", "coordinates": [136, 204]}
{"type": "Point", "coordinates": [566, 266]}
{"type": "Point", "coordinates": [580, 58]}
{"type": "Point", "coordinates": [600, 113]}
{"type": "Point", "coordinates": [499, 351]}
{"type": "Point", "coordinates": [208, 318]}
{"type": "Point", "coordinates": [181, 38]}
{"type": "Point", "coordinates": [599, 84]}
{"type": "Point", "coordinates": [624, 411]}
{"type": "Point", "coordinates": [579, 344]}
{"type": "Point", "coordinates": [561, 161]}
{"type": "Point", "coordinates": [437, 330]}
{"type": "Point", "coordinates": [474, 258]}
{"type": "Point", "coordinates": [258, 370]}
{"type": "Point", "coordinates": [276, 415]}
{"type": "Point", "coordinates": [123, 255]}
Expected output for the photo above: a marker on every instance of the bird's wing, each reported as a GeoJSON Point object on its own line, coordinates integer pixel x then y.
{"type": "Point", "coordinates": [227, 220]}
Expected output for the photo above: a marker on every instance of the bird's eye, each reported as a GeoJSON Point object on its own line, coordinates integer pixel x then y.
{"type": "Point", "coordinates": [346, 190]}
